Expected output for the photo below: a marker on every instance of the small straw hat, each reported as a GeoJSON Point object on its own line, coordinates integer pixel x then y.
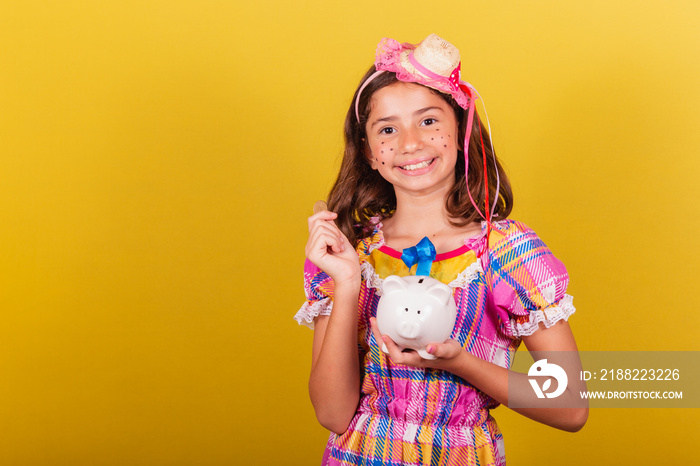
{"type": "Point", "coordinates": [434, 62]}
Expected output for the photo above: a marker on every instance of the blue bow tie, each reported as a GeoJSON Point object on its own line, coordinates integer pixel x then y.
{"type": "Point", "coordinates": [422, 254]}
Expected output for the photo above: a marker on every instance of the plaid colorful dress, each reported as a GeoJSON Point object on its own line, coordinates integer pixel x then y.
{"type": "Point", "coordinates": [412, 416]}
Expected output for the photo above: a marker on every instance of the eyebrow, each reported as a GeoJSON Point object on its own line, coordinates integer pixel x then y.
{"type": "Point", "coordinates": [416, 113]}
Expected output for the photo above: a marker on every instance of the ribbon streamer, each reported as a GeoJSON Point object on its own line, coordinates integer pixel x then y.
{"type": "Point", "coordinates": [422, 254]}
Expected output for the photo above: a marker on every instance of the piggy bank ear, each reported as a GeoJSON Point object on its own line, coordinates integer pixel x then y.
{"type": "Point", "coordinates": [441, 292]}
{"type": "Point", "coordinates": [394, 283]}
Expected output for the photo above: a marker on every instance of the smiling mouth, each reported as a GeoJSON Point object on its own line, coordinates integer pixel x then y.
{"type": "Point", "coordinates": [417, 166]}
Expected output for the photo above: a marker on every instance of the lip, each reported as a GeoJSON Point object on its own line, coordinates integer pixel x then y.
{"type": "Point", "coordinates": [418, 171]}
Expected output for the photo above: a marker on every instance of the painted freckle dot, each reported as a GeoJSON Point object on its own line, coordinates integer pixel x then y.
{"type": "Point", "coordinates": [445, 145]}
{"type": "Point", "coordinates": [391, 148]}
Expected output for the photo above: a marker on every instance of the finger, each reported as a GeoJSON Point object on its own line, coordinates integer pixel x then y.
{"type": "Point", "coordinates": [435, 349]}
{"type": "Point", "coordinates": [395, 353]}
{"type": "Point", "coordinates": [327, 232]}
{"type": "Point", "coordinates": [407, 357]}
{"type": "Point", "coordinates": [324, 215]}
{"type": "Point", "coordinates": [345, 242]}
{"type": "Point", "coordinates": [319, 224]}
{"type": "Point", "coordinates": [321, 227]}
{"type": "Point", "coordinates": [320, 243]}
{"type": "Point", "coordinates": [379, 338]}
{"type": "Point", "coordinates": [377, 333]}
{"type": "Point", "coordinates": [446, 350]}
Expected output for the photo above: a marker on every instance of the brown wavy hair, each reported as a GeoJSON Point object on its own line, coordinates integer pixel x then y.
{"type": "Point", "coordinates": [360, 192]}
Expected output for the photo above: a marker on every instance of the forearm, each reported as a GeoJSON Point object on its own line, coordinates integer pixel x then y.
{"type": "Point", "coordinates": [494, 381]}
{"type": "Point", "coordinates": [334, 384]}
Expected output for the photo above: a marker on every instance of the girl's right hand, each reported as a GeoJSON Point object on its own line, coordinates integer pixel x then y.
{"type": "Point", "coordinates": [329, 249]}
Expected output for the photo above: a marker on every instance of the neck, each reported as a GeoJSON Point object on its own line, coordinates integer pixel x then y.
{"type": "Point", "coordinates": [423, 215]}
{"type": "Point", "coordinates": [420, 216]}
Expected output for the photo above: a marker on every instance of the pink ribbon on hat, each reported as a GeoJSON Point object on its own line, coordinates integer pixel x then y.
{"type": "Point", "coordinates": [454, 78]}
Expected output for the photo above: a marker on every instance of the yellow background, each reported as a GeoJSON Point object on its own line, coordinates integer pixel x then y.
{"type": "Point", "coordinates": [158, 160]}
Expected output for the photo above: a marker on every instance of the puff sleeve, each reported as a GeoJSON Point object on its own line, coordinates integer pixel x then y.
{"type": "Point", "coordinates": [318, 287]}
{"type": "Point", "coordinates": [528, 284]}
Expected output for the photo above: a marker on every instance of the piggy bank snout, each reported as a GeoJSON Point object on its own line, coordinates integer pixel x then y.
{"type": "Point", "coordinates": [408, 330]}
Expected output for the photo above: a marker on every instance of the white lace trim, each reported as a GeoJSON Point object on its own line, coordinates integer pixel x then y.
{"type": "Point", "coordinates": [372, 280]}
{"type": "Point", "coordinates": [374, 246]}
{"type": "Point", "coordinates": [308, 312]}
{"type": "Point", "coordinates": [548, 317]}
{"type": "Point", "coordinates": [467, 276]}
{"type": "Point", "coordinates": [380, 243]}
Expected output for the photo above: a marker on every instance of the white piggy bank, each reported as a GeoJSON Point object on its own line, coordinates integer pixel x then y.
{"type": "Point", "coordinates": [416, 311]}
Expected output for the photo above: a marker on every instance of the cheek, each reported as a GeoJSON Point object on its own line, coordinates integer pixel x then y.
{"type": "Point", "coordinates": [450, 140]}
{"type": "Point", "coordinates": [383, 151]}
{"type": "Point", "coordinates": [444, 140]}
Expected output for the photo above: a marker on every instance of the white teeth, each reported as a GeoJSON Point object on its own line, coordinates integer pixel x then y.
{"type": "Point", "coordinates": [417, 165]}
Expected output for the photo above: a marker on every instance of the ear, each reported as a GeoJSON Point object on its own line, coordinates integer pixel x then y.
{"type": "Point", "coordinates": [393, 283]}
{"type": "Point", "coordinates": [441, 292]}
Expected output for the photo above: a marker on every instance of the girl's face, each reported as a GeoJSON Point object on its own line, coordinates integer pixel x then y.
{"type": "Point", "coordinates": [412, 138]}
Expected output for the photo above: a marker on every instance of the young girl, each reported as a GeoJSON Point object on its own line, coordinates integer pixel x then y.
{"type": "Point", "coordinates": [405, 176]}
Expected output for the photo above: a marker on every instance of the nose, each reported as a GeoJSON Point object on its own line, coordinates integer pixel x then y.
{"type": "Point", "coordinates": [410, 140]}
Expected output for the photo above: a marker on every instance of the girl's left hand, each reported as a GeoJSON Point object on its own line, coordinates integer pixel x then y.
{"type": "Point", "coordinates": [446, 353]}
